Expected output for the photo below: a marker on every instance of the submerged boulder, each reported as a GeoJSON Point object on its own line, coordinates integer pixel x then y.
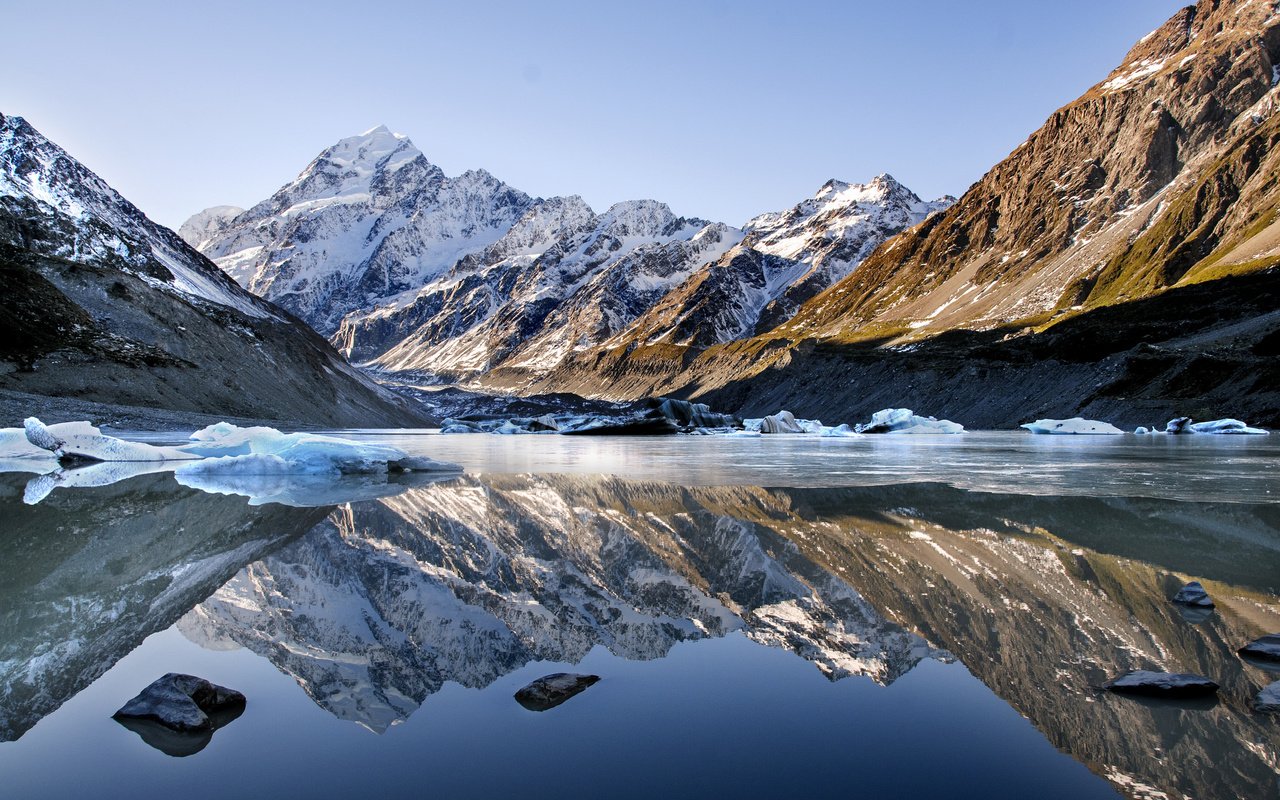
{"type": "Point", "coordinates": [550, 691]}
{"type": "Point", "coordinates": [1193, 594]}
{"type": "Point", "coordinates": [1265, 651]}
{"type": "Point", "coordinates": [182, 703]}
{"type": "Point", "coordinates": [1148, 683]}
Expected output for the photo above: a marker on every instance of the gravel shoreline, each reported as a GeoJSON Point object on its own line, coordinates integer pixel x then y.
{"type": "Point", "coordinates": [17, 406]}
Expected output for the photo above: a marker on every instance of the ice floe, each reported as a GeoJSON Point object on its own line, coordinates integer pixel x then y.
{"type": "Point", "coordinates": [1075, 425]}
{"type": "Point", "coordinates": [904, 420]}
{"type": "Point", "coordinates": [257, 462]}
{"type": "Point", "coordinates": [1217, 426]}
{"type": "Point", "coordinates": [77, 440]}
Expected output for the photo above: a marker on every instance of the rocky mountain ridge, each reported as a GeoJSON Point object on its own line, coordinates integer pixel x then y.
{"type": "Point", "coordinates": [411, 271]}
{"type": "Point", "coordinates": [104, 305]}
{"type": "Point", "coordinates": [1150, 203]}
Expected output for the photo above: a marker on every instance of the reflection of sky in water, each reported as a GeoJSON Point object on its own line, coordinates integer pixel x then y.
{"type": "Point", "coordinates": [1041, 592]}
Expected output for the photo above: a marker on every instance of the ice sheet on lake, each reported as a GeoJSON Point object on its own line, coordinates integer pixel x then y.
{"type": "Point", "coordinates": [1075, 425]}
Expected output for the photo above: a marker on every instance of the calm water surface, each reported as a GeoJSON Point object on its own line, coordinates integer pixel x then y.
{"type": "Point", "coordinates": [787, 617]}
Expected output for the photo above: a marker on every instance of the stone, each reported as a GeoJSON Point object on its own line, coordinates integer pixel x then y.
{"type": "Point", "coordinates": [1264, 651]}
{"type": "Point", "coordinates": [1149, 683]}
{"type": "Point", "coordinates": [1268, 700]}
{"type": "Point", "coordinates": [182, 703]}
{"type": "Point", "coordinates": [550, 691]}
{"type": "Point", "coordinates": [1193, 594]}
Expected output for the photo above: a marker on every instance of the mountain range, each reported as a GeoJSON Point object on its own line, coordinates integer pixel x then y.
{"type": "Point", "coordinates": [103, 304]}
{"type": "Point", "coordinates": [1120, 263]}
{"type": "Point", "coordinates": [409, 270]}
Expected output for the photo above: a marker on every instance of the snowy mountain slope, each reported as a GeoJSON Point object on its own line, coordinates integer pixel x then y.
{"type": "Point", "coordinates": [521, 318]}
{"type": "Point", "coordinates": [531, 309]}
{"type": "Point", "coordinates": [369, 218]}
{"type": "Point", "coordinates": [1124, 254]}
{"type": "Point", "coordinates": [456, 277]}
{"type": "Point", "coordinates": [97, 224]}
{"type": "Point", "coordinates": [207, 224]}
{"type": "Point", "coordinates": [784, 259]}
{"type": "Point", "coordinates": [104, 305]}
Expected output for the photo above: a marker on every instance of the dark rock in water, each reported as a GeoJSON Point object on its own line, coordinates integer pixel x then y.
{"type": "Point", "coordinates": [1268, 700]}
{"type": "Point", "coordinates": [641, 426]}
{"type": "Point", "coordinates": [551, 690]}
{"type": "Point", "coordinates": [1162, 684]}
{"type": "Point", "coordinates": [1263, 651]}
{"type": "Point", "coordinates": [1193, 594]}
{"type": "Point", "coordinates": [182, 703]}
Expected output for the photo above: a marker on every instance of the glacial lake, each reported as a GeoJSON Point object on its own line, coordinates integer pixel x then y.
{"type": "Point", "coordinates": [882, 616]}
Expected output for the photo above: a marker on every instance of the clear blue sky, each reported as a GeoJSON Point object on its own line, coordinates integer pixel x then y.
{"type": "Point", "coordinates": [721, 109]}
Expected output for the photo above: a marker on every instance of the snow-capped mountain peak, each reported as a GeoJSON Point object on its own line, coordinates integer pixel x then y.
{"type": "Point", "coordinates": [368, 219]}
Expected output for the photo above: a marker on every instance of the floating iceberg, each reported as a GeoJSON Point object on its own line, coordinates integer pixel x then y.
{"type": "Point", "coordinates": [1075, 425]}
{"type": "Point", "coordinates": [1227, 426]}
{"type": "Point", "coordinates": [76, 440]}
{"type": "Point", "coordinates": [226, 449]}
{"type": "Point", "coordinates": [222, 448]}
{"type": "Point", "coordinates": [904, 420]}
{"type": "Point", "coordinates": [786, 422]}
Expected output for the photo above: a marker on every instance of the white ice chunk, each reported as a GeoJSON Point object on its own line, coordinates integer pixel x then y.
{"type": "Point", "coordinates": [1075, 425]}
{"type": "Point", "coordinates": [904, 420]}
{"type": "Point", "coordinates": [1227, 426]}
{"type": "Point", "coordinates": [782, 422]}
{"type": "Point", "coordinates": [231, 450]}
{"type": "Point", "coordinates": [82, 440]}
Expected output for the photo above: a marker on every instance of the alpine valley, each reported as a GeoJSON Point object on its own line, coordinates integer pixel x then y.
{"type": "Point", "coordinates": [1119, 263]}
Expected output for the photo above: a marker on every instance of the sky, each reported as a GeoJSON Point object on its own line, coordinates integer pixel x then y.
{"type": "Point", "coordinates": [723, 110]}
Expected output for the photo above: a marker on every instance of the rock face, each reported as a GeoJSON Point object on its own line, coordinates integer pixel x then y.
{"type": "Point", "coordinates": [785, 259]}
{"type": "Point", "coordinates": [1148, 683]}
{"type": "Point", "coordinates": [182, 703]}
{"type": "Point", "coordinates": [102, 304]}
{"type": "Point", "coordinates": [551, 690]}
{"type": "Point", "coordinates": [1119, 256]}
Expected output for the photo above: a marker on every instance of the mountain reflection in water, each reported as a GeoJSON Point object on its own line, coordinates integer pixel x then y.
{"type": "Point", "coordinates": [372, 606]}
